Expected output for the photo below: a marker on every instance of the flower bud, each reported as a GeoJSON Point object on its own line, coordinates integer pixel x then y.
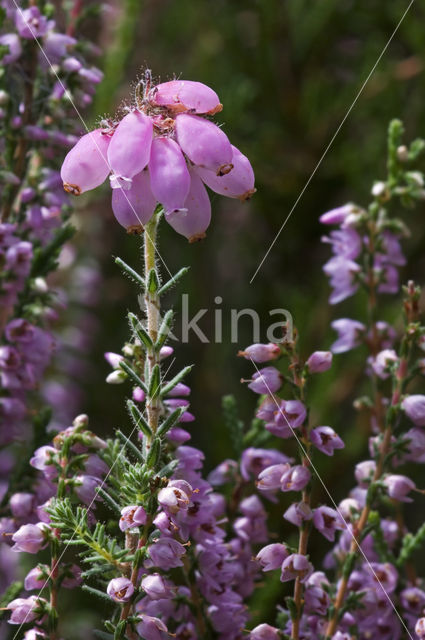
{"type": "Point", "coordinates": [319, 361]}
{"type": "Point", "coordinates": [349, 508]}
{"type": "Point", "coordinates": [414, 407]}
{"type": "Point", "coordinates": [271, 556]}
{"type": "Point", "coordinates": [113, 359]}
{"type": "Point", "coordinates": [338, 215]}
{"type": "Point", "coordinates": [12, 41]}
{"type": "Point", "coordinates": [116, 377]}
{"type": "Point", "coordinates": [383, 362]}
{"type": "Point", "coordinates": [261, 352]}
{"type": "Point", "coordinates": [364, 472]}
{"type": "Point", "coordinates": [379, 189]}
{"type": "Point", "coordinates": [264, 632]}
{"type": "Point", "coordinates": [398, 487]}
{"type": "Point", "coordinates": [85, 487]}
{"type": "Point", "coordinates": [138, 394]}
{"type": "Point", "coordinates": [22, 504]}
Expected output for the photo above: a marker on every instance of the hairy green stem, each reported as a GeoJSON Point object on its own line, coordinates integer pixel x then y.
{"type": "Point", "coordinates": [152, 303]}
{"type": "Point", "coordinates": [153, 403]}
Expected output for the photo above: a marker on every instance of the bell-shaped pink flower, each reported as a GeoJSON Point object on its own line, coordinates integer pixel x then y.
{"type": "Point", "coordinates": [166, 553]}
{"type": "Point", "coordinates": [414, 407]}
{"type": "Point", "coordinates": [130, 147]}
{"type": "Point", "coordinates": [259, 352]}
{"type": "Point", "coordinates": [170, 179]}
{"type": "Point", "coordinates": [264, 632]}
{"type": "Point", "coordinates": [295, 478]}
{"type": "Point", "coordinates": [327, 521]}
{"type": "Point", "coordinates": [186, 95]}
{"type": "Point", "coordinates": [204, 143]}
{"type": "Point", "coordinates": [134, 207]}
{"type": "Point", "coordinates": [156, 587]}
{"type": "Point", "coordinates": [420, 628]}
{"type": "Point", "coordinates": [30, 538]}
{"type": "Point", "coordinates": [36, 578]}
{"type": "Point", "coordinates": [271, 556]}
{"type": "Point", "coordinates": [151, 628]}
{"type": "Point", "coordinates": [326, 440]}
{"type": "Point", "coordinates": [270, 478]}
{"type": "Point", "coordinates": [120, 589]}
{"type": "Point", "coordinates": [266, 380]}
{"type": "Point", "coordinates": [86, 166]}
{"type": "Point", "coordinates": [12, 41]}
{"type": "Point", "coordinates": [31, 23]}
{"type": "Point", "coordinates": [398, 487]}
{"type": "Point", "coordinates": [239, 183]}
{"type": "Point", "coordinates": [296, 566]}
{"type": "Point", "coordinates": [26, 609]}
{"type": "Point", "coordinates": [132, 516]}
{"type": "Point", "coordinates": [193, 222]}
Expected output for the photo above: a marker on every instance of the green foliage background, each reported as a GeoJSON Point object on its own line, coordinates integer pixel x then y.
{"type": "Point", "coordinates": [286, 72]}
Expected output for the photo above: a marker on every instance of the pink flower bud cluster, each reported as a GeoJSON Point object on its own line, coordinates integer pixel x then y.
{"type": "Point", "coordinates": [29, 529]}
{"type": "Point", "coordinates": [33, 202]}
{"type": "Point", "coordinates": [162, 151]}
{"type": "Point", "coordinates": [59, 49]}
{"type": "Point", "coordinates": [348, 245]}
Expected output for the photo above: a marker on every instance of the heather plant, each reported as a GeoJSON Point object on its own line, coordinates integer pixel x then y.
{"type": "Point", "coordinates": [133, 520]}
{"type": "Point", "coordinates": [46, 74]}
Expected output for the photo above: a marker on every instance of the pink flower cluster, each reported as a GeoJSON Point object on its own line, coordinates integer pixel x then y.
{"type": "Point", "coordinates": [165, 150]}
